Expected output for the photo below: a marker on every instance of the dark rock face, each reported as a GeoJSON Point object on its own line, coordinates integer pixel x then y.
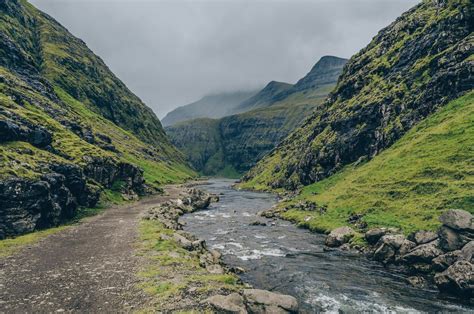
{"type": "Point", "coordinates": [27, 205]}
{"type": "Point", "coordinates": [412, 67]}
{"type": "Point", "coordinates": [35, 135]}
{"type": "Point", "coordinates": [448, 255]}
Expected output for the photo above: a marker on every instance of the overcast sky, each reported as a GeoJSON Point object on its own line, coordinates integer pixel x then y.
{"type": "Point", "coordinates": [173, 52]}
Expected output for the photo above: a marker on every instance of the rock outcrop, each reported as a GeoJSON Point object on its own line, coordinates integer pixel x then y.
{"type": "Point", "coordinates": [69, 128]}
{"type": "Point", "coordinates": [426, 253]}
{"type": "Point", "coordinates": [339, 236]}
{"type": "Point", "coordinates": [33, 204]}
{"type": "Point", "coordinates": [410, 69]}
{"type": "Point", "coordinates": [254, 301]}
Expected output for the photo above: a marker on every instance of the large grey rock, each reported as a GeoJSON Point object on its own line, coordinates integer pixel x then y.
{"type": "Point", "coordinates": [458, 278]}
{"type": "Point", "coordinates": [232, 303]}
{"type": "Point", "coordinates": [422, 237]}
{"type": "Point", "coordinates": [457, 219]}
{"type": "Point", "coordinates": [423, 253]}
{"type": "Point", "coordinates": [263, 301]}
{"type": "Point", "coordinates": [387, 247]}
{"type": "Point", "coordinates": [339, 236]}
{"type": "Point", "coordinates": [450, 239]}
{"type": "Point", "coordinates": [442, 262]}
{"type": "Point", "coordinates": [373, 235]}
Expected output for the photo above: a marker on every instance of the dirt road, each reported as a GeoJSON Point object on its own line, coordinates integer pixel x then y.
{"type": "Point", "coordinates": [89, 267]}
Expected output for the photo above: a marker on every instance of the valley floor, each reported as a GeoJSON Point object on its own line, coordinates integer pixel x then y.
{"type": "Point", "coordinates": [87, 267]}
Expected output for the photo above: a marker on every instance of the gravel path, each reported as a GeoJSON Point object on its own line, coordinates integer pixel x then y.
{"type": "Point", "coordinates": [89, 267]}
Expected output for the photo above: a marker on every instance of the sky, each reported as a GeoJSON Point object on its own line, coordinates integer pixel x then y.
{"type": "Point", "coordinates": [173, 52]}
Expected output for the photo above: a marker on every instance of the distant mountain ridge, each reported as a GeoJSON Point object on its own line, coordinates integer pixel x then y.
{"type": "Point", "coordinates": [231, 145]}
{"type": "Point", "coordinates": [210, 106]}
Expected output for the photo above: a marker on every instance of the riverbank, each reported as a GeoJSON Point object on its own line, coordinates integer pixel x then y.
{"type": "Point", "coordinates": [182, 274]}
{"type": "Point", "coordinates": [279, 256]}
{"type": "Point", "coordinates": [442, 258]}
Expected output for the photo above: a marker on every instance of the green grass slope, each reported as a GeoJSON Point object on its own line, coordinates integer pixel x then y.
{"type": "Point", "coordinates": [411, 68]}
{"type": "Point", "coordinates": [429, 170]}
{"type": "Point", "coordinates": [50, 80]}
{"type": "Point", "coordinates": [232, 145]}
{"type": "Point", "coordinates": [229, 146]}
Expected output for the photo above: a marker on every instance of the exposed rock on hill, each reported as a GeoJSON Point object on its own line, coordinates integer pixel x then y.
{"type": "Point", "coordinates": [232, 145]}
{"type": "Point", "coordinates": [69, 129]}
{"type": "Point", "coordinates": [411, 68]}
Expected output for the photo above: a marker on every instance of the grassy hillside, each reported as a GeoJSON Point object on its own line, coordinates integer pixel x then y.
{"type": "Point", "coordinates": [233, 144]}
{"type": "Point", "coordinates": [51, 79]}
{"type": "Point", "coordinates": [430, 169]}
{"type": "Point", "coordinates": [69, 129]}
{"type": "Point", "coordinates": [410, 69]}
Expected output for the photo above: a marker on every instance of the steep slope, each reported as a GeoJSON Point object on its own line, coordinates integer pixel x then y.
{"type": "Point", "coordinates": [211, 106]}
{"type": "Point", "coordinates": [69, 129]}
{"type": "Point", "coordinates": [232, 145]}
{"type": "Point", "coordinates": [265, 97]}
{"type": "Point", "coordinates": [409, 70]}
{"type": "Point", "coordinates": [430, 169]}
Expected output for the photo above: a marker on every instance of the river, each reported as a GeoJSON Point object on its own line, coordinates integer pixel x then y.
{"type": "Point", "coordinates": [281, 257]}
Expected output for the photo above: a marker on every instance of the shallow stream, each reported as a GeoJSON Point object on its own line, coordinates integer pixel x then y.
{"type": "Point", "coordinates": [281, 257]}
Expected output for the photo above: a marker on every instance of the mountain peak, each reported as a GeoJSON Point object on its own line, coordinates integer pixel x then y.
{"type": "Point", "coordinates": [325, 71]}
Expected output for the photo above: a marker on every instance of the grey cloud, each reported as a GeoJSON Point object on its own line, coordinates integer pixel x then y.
{"type": "Point", "coordinates": [173, 52]}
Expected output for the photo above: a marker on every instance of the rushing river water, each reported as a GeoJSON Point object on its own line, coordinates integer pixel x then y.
{"type": "Point", "coordinates": [281, 257]}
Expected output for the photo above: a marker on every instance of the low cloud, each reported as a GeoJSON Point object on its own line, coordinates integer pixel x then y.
{"type": "Point", "coordinates": [173, 52]}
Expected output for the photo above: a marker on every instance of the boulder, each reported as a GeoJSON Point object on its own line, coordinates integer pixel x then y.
{"type": "Point", "coordinates": [339, 236]}
{"type": "Point", "coordinates": [387, 247]}
{"type": "Point", "coordinates": [373, 235]}
{"type": "Point", "coordinates": [215, 269]}
{"type": "Point", "coordinates": [263, 301]}
{"type": "Point", "coordinates": [442, 262]}
{"type": "Point", "coordinates": [423, 237]}
{"type": "Point", "coordinates": [232, 303]}
{"type": "Point", "coordinates": [457, 219]}
{"type": "Point", "coordinates": [450, 239]}
{"type": "Point", "coordinates": [423, 253]}
{"type": "Point", "coordinates": [417, 281]}
{"type": "Point", "coordinates": [458, 278]}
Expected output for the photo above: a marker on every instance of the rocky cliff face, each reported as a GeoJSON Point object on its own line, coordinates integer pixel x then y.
{"type": "Point", "coordinates": [233, 144]}
{"type": "Point", "coordinates": [410, 69]}
{"type": "Point", "coordinates": [68, 127]}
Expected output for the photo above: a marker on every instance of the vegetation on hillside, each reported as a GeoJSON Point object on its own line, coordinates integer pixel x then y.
{"type": "Point", "coordinates": [233, 144]}
{"type": "Point", "coordinates": [430, 169]}
{"type": "Point", "coordinates": [411, 68]}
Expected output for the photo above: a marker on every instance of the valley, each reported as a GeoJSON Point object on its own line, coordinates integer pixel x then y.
{"type": "Point", "coordinates": [350, 190]}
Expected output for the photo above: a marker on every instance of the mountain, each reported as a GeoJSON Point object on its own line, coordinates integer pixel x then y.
{"type": "Point", "coordinates": [211, 106]}
{"type": "Point", "coordinates": [265, 97]}
{"type": "Point", "coordinates": [409, 70]}
{"type": "Point", "coordinates": [70, 131]}
{"type": "Point", "coordinates": [393, 144]}
{"type": "Point", "coordinates": [232, 145]}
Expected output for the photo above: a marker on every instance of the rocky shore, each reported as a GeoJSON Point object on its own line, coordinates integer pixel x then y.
{"type": "Point", "coordinates": [243, 299]}
{"type": "Point", "coordinates": [443, 258]}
